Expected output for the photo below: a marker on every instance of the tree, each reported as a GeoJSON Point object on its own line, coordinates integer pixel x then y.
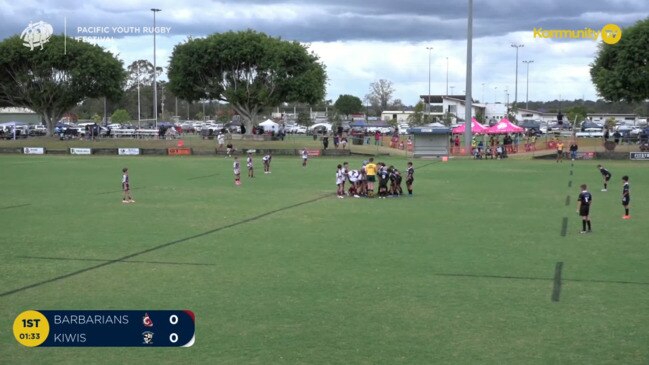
{"type": "Point", "coordinates": [250, 70]}
{"type": "Point", "coordinates": [143, 70]}
{"type": "Point", "coordinates": [480, 116]}
{"type": "Point", "coordinates": [620, 71]}
{"type": "Point", "coordinates": [380, 95]}
{"type": "Point", "coordinates": [397, 104]}
{"type": "Point", "coordinates": [52, 82]}
{"type": "Point", "coordinates": [348, 104]}
{"type": "Point", "coordinates": [610, 123]}
{"type": "Point", "coordinates": [576, 113]}
{"type": "Point", "coordinates": [419, 117]}
{"type": "Point", "coordinates": [304, 118]}
{"type": "Point", "coordinates": [120, 116]}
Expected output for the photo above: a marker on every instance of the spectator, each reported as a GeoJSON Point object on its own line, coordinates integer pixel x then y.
{"type": "Point", "coordinates": [616, 136]}
{"type": "Point", "coordinates": [394, 141]}
{"type": "Point", "coordinates": [220, 140]}
{"type": "Point", "coordinates": [377, 137]}
{"type": "Point", "coordinates": [573, 150]}
{"type": "Point", "coordinates": [325, 142]}
{"type": "Point", "coordinates": [336, 141]}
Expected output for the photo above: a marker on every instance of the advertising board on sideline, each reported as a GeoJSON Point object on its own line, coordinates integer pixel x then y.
{"type": "Point", "coordinates": [128, 151]}
{"type": "Point", "coordinates": [81, 151]}
{"type": "Point", "coordinates": [639, 156]}
{"type": "Point", "coordinates": [180, 151]}
{"type": "Point", "coordinates": [34, 150]}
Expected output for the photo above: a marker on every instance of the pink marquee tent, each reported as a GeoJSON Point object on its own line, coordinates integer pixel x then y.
{"type": "Point", "coordinates": [504, 127]}
{"type": "Point", "coordinates": [476, 128]}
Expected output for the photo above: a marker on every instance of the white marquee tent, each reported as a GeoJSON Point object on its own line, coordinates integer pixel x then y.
{"type": "Point", "coordinates": [269, 126]}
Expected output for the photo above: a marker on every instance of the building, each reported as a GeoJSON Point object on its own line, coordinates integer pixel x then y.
{"type": "Point", "coordinates": [601, 118]}
{"type": "Point", "coordinates": [452, 107]}
{"type": "Point", "coordinates": [19, 115]}
{"type": "Point", "coordinates": [528, 114]}
{"type": "Point", "coordinates": [400, 115]}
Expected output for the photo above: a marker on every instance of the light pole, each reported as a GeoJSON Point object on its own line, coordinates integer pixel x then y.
{"type": "Point", "coordinates": [527, 87]}
{"type": "Point", "coordinates": [495, 94]}
{"type": "Point", "coordinates": [139, 114]}
{"type": "Point", "coordinates": [430, 49]}
{"type": "Point", "coordinates": [517, 46]}
{"type": "Point", "coordinates": [468, 100]}
{"type": "Point", "coordinates": [155, 71]}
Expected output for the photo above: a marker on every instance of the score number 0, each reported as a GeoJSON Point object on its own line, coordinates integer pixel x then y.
{"type": "Point", "coordinates": [173, 319]}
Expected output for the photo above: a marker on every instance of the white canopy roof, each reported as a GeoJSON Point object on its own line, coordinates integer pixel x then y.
{"type": "Point", "coordinates": [269, 125]}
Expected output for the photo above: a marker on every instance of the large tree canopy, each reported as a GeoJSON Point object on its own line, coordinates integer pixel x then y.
{"type": "Point", "coordinates": [620, 71]}
{"type": "Point", "coordinates": [380, 95]}
{"type": "Point", "coordinates": [52, 80]}
{"type": "Point", "coordinates": [250, 70]}
{"type": "Point", "coordinates": [348, 104]}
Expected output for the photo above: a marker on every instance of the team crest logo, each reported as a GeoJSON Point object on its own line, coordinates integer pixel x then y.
{"type": "Point", "coordinates": [148, 337]}
{"type": "Point", "coordinates": [36, 34]}
{"type": "Point", "coordinates": [146, 320]}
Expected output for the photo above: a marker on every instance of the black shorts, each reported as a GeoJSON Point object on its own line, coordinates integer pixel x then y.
{"type": "Point", "coordinates": [125, 186]}
{"type": "Point", "coordinates": [371, 178]}
{"type": "Point", "coordinates": [410, 181]}
{"type": "Point", "coordinates": [607, 177]}
{"type": "Point", "coordinates": [584, 210]}
{"type": "Point", "coordinates": [626, 200]}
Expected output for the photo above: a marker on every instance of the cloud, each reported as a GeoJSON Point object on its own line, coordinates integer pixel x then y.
{"type": "Point", "coordinates": [362, 41]}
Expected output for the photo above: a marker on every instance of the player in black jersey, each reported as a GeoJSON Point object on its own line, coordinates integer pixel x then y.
{"type": "Point", "coordinates": [584, 202]}
{"type": "Point", "coordinates": [626, 197]}
{"type": "Point", "coordinates": [384, 176]}
{"type": "Point", "coordinates": [395, 182]}
{"type": "Point", "coordinates": [410, 178]}
{"type": "Point", "coordinates": [606, 175]}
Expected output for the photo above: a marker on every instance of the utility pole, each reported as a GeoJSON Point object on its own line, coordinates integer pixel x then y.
{"type": "Point", "coordinates": [430, 49]}
{"type": "Point", "coordinates": [517, 46]}
{"type": "Point", "coordinates": [527, 82]}
{"type": "Point", "coordinates": [469, 71]}
{"type": "Point", "coordinates": [155, 71]}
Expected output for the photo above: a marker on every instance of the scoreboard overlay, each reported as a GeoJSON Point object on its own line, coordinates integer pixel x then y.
{"type": "Point", "coordinates": [105, 328]}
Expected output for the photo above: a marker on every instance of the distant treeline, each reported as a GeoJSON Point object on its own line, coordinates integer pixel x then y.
{"type": "Point", "coordinates": [599, 106]}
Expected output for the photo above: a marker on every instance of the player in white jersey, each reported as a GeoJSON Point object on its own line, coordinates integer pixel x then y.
{"type": "Point", "coordinates": [126, 188]}
{"type": "Point", "coordinates": [237, 171]}
{"type": "Point", "coordinates": [305, 157]}
{"type": "Point", "coordinates": [362, 181]}
{"type": "Point", "coordinates": [353, 177]}
{"type": "Point", "coordinates": [266, 159]}
{"type": "Point", "coordinates": [340, 181]}
{"type": "Point", "coordinates": [251, 172]}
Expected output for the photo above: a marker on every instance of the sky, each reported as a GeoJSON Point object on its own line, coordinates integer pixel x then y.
{"type": "Point", "coordinates": [362, 41]}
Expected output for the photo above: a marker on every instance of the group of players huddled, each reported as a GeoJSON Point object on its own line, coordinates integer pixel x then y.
{"type": "Point", "coordinates": [361, 181]}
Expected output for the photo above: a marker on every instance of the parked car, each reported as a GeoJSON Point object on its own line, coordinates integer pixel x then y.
{"type": "Point", "coordinates": [592, 134]}
{"type": "Point", "coordinates": [37, 130]}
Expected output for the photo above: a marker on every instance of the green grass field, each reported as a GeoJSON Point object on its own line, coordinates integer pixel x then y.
{"type": "Point", "coordinates": [280, 271]}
